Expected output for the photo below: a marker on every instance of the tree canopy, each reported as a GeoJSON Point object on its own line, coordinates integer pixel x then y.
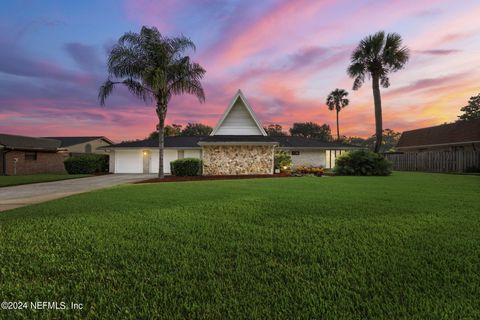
{"type": "Point", "coordinates": [312, 130]}
{"type": "Point", "coordinates": [274, 130]}
{"type": "Point", "coordinates": [472, 109]}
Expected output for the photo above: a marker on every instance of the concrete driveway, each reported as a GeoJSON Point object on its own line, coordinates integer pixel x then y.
{"type": "Point", "coordinates": [19, 196]}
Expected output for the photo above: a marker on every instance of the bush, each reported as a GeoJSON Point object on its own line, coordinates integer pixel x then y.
{"type": "Point", "coordinates": [362, 163]}
{"type": "Point", "coordinates": [282, 159]}
{"type": "Point", "coordinates": [87, 164]}
{"type": "Point", "coordinates": [186, 167]}
{"type": "Point", "coordinates": [308, 170]}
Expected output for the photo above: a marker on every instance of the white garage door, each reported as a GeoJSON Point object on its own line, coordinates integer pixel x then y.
{"type": "Point", "coordinates": [128, 161]}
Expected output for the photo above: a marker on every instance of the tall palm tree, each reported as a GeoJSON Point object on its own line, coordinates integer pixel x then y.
{"type": "Point", "coordinates": [337, 100]}
{"type": "Point", "coordinates": [377, 56]}
{"type": "Point", "coordinates": [153, 68]}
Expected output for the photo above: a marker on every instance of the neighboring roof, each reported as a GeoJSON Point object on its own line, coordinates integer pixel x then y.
{"type": "Point", "coordinates": [459, 132]}
{"type": "Point", "coordinates": [302, 142]}
{"type": "Point", "coordinates": [10, 141]}
{"type": "Point", "coordinates": [70, 141]}
{"type": "Point", "coordinates": [239, 95]}
{"type": "Point", "coordinates": [169, 142]}
{"type": "Point", "coordinates": [195, 142]}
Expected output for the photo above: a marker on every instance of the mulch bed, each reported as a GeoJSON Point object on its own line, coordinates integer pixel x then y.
{"type": "Point", "coordinates": [226, 177]}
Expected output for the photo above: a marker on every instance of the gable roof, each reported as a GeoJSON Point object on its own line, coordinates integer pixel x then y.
{"type": "Point", "coordinates": [10, 141]}
{"type": "Point", "coordinates": [70, 141]}
{"type": "Point", "coordinates": [239, 96]}
{"type": "Point", "coordinates": [459, 132]}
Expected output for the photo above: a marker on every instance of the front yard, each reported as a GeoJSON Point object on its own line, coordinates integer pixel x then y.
{"type": "Point", "coordinates": [399, 247]}
{"type": "Point", "coordinates": [7, 181]}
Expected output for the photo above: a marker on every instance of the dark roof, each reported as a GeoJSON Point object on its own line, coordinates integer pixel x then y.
{"type": "Point", "coordinates": [70, 141]}
{"type": "Point", "coordinates": [452, 133]}
{"type": "Point", "coordinates": [170, 142]}
{"type": "Point", "coordinates": [192, 142]}
{"type": "Point", "coordinates": [301, 142]}
{"type": "Point", "coordinates": [28, 143]}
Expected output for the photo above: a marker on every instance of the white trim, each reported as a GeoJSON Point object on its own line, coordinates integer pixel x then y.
{"type": "Point", "coordinates": [238, 95]}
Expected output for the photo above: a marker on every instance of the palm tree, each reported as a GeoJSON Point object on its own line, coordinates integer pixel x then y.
{"type": "Point", "coordinates": [337, 100]}
{"type": "Point", "coordinates": [153, 68]}
{"type": "Point", "coordinates": [376, 56]}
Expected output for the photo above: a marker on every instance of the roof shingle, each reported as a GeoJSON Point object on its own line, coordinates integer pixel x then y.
{"type": "Point", "coordinates": [452, 133]}
{"type": "Point", "coordinates": [11, 141]}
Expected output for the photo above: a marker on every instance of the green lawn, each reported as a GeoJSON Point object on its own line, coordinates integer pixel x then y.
{"type": "Point", "coordinates": [6, 181]}
{"type": "Point", "coordinates": [399, 247]}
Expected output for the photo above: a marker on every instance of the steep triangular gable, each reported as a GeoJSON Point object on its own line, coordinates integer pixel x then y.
{"type": "Point", "coordinates": [239, 119]}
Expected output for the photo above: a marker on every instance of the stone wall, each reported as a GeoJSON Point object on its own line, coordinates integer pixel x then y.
{"type": "Point", "coordinates": [237, 160]}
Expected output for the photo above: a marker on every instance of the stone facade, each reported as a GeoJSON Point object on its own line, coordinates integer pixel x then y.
{"type": "Point", "coordinates": [45, 162]}
{"type": "Point", "coordinates": [237, 160]}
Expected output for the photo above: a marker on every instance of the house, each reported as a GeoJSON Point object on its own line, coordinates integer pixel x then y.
{"type": "Point", "coordinates": [20, 155]}
{"type": "Point", "coordinates": [75, 145]}
{"type": "Point", "coordinates": [460, 135]}
{"type": "Point", "coordinates": [238, 145]}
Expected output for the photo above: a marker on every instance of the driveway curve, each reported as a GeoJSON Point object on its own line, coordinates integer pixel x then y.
{"type": "Point", "coordinates": [23, 195]}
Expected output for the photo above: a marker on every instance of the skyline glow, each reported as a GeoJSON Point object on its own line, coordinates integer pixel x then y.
{"type": "Point", "coordinates": [286, 56]}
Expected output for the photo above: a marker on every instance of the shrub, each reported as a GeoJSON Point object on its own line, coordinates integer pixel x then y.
{"type": "Point", "coordinates": [308, 170]}
{"type": "Point", "coordinates": [281, 160]}
{"type": "Point", "coordinates": [87, 164]}
{"type": "Point", "coordinates": [362, 163]}
{"type": "Point", "coordinates": [186, 167]}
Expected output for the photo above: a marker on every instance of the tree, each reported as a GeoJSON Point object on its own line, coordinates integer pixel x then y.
{"type": "Point", "coordinates": [389, 140]}
{"type": "Point", "coordinates": [311, 130]}
{"type": "Point", "coordinates": [274, 130]}
{"type": "Point", "coordinates": [472, 109]}
{"type": "Point", "coordinates": [154, 68]}
{"type": "Point", "coordinates": [377, 56]}
{"type": "Point", "coordinates": [173, 130]}
{"type": "Point", "coordinates": [337, 100]}
{"type": "Point", "coordinates": [196, 129]}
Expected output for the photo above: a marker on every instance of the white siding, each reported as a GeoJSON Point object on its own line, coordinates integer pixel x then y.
{"type": "Point", "coordinates": [192, 154]}
{"type": "Point", "coordinates": [128, 161]}
{"type": "Point", "coordinates": [309, 158]}
{"type": "Point", "coordinates": [168, 155]}
{"type": "Point", "coordinates": [238, 122]}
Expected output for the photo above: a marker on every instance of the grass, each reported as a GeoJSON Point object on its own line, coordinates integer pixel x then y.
{"type": "Point", "coordinates": [399, 247]}
{"type": "Point", "coordinates": [7, 181]}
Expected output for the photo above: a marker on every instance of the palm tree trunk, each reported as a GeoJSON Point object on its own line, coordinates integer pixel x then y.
{"type": "Point", "coordinates": [161, 142]}
{"type": "Point", "coordinates": [378, 112]}
{"type": "Point", "coordinates": [338, 128]}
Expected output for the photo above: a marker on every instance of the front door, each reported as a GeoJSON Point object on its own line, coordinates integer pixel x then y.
{"type": "Point", "coordinates": [146, 161]}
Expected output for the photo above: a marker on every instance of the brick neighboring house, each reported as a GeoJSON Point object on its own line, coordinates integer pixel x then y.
{"type": "Point", "coordinates": [20, 155]}
{"type": "Point", "coordinates": [76, 145]}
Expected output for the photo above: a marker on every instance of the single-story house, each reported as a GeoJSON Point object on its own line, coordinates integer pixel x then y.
{"type": "Point", "coordinates": [237, 145]}
{"type": "Point", "coordinates": [20, 155]}
{"type": "Point", "coordinates": [460, 135]}
{"type": "Point", "coordinates": [75, 145]}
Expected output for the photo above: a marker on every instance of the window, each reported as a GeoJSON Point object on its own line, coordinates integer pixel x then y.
{"type": "Point", "coordinates": [30, 156]}
{"type": "Point", "coordinates": [88, 148]}
{"type": "Point", "coordinates": [295, 153]}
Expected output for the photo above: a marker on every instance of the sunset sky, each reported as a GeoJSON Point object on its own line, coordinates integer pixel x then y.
{"type": "Point", "coordinates": [286, 56]}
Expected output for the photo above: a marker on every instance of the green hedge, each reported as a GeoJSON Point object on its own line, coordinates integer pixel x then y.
{"type": "Point", "coordinates": [362, 163]}
{"type": "Point", "coordinates": [87, 164]}
{"type": "Point", "coordinates": [186, 167]}
{"type": "Point", "coordinates": [282, 159]}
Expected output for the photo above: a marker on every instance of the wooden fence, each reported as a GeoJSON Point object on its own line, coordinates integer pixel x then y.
{"type": "Point", "coordinates": [435, 161]}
